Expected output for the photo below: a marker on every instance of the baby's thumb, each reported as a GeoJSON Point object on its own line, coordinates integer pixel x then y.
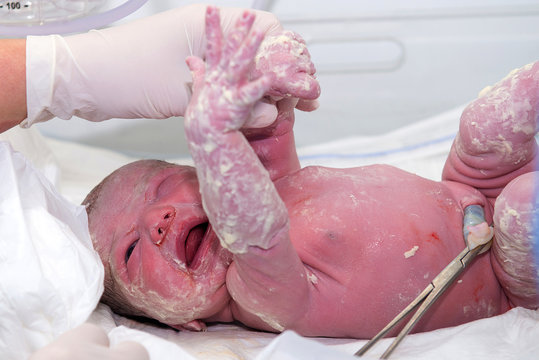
{"type": "Point", "coordinates": [197, 67]}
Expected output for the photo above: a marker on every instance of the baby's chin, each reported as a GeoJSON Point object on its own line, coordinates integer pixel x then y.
{"type": "Point", "coordinates": [201, 297]}
{"type": "Point", "coordinates": [185, 318]}
{"type": "Point", "coordinates": [203, 302]}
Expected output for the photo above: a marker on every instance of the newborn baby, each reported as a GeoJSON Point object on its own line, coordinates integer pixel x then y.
{"type": "Point", "coordinates": [250, 236]}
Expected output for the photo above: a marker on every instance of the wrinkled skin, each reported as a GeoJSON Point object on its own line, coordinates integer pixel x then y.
{"type": "Point", "coordinates": [325, 252]}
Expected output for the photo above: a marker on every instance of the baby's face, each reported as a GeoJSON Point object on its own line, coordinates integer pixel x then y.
{"type": "Point", "coordinates": [162, 254]}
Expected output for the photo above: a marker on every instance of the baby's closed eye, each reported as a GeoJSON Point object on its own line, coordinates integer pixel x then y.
{"type": "Point", "coordinates": [129, 250]}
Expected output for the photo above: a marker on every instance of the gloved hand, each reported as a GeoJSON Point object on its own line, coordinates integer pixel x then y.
{"type": "Point", "coordinates": [136, 70]}
{"type": "Point", "coordinates": [89, 342]}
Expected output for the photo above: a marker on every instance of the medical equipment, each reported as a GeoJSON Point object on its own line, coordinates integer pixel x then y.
{"type": "Point", "coordinates": [473, 215]}
{"type": "Point", "coordinates": [42, 17]}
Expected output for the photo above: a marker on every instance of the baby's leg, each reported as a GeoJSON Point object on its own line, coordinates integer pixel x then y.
{"type": "Point", "coordinates": [495, 143]}
{"type": "Point", "coordinates": [512, 250]}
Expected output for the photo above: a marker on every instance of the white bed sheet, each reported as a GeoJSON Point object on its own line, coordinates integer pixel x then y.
{"type": "Point", "coordinates": [420, 148]}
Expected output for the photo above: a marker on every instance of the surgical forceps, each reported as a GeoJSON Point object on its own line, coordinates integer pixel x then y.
{"type": "Point", "coordinates": [424, 300]}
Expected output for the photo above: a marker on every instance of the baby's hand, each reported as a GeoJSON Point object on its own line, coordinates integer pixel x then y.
{"type": "Point", "coordinates": [223, 95]}
{"type": "Point", "coordinates": [238, 195]}
{"type": "Point", "coordinates": [287, 61]}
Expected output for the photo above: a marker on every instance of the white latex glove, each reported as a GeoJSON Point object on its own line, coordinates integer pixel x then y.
{"type": "Point", "coordinates": [136, 70]}
{"type": "Point", "coordinates": [89, 342]}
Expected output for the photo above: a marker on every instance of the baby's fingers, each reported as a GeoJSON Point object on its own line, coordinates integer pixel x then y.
{"type": "Point", "coordinates": [214, 36]}
{"type": "Point", "coordinates": [254, 90]}
{"type": "Point", "coordinates": [300, 85]}
{"type": "Point", "coordinates": [304, 86]}
{"type": "Point", "coordinates": [237, 36]}
{"type": "Point", "coordinates": [241, 62]}
{"type": "Point", "coordinates": [198, 69]}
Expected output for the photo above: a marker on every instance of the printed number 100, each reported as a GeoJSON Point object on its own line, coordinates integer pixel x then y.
{"type": "Point", "coordinates": [14, 5]}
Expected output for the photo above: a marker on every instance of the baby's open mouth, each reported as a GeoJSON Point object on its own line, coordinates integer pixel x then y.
{"type": "Point", "coordinates": [193, 241]}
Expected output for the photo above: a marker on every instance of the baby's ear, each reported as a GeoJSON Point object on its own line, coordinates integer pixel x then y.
{"type": "Point", "coordinates": [194, 325]}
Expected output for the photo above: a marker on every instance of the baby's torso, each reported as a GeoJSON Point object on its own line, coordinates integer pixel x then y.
{"type": "Point", "coordinates": [372, 238]}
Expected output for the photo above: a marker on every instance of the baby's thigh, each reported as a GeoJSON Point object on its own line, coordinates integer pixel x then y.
{"type": "Point", "coordinates": [513, 247]}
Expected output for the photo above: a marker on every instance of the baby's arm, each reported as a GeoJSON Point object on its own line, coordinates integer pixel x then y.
{"type": "Point", "coordinates": [285, 59]}
{"type": "Point", "coordinates": [274, 145]}
{"type": "Point", "coordinates": [266, 279]}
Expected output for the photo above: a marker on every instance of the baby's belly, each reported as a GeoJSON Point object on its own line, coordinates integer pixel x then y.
{"type": "Point", "coordinates": [373, 238]}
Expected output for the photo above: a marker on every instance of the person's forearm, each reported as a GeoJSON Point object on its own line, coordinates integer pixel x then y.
{"type": "Point", "coordinates": [13, 82]}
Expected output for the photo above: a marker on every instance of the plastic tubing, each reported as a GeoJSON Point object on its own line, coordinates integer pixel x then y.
{"type": "Point", "coordinates": [473, 215]}
{"type": "Point", "coordinates": [81, 24]}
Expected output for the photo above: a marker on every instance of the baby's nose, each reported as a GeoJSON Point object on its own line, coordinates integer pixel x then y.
{"type": "Point", "coordinates": [158, 220]}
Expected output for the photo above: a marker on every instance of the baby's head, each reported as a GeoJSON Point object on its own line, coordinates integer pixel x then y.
{"type": "Point", "coordinates": [162, 260]}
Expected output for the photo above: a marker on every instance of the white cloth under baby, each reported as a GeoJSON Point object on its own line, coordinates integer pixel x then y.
{"type": "Point", "coordinates": [51, 279]}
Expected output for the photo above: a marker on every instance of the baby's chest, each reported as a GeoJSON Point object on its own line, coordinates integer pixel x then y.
{"type": "Point", "coordinates": [343, 222]}
{"type": "Point", "coordinates": [373, 244]}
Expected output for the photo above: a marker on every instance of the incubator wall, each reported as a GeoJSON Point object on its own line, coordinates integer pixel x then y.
{"type": "Point", "coordinates": [382, 65]}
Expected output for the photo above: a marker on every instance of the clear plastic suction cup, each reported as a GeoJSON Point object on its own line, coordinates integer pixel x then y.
{"type": "Point", "coordinates": [42, 17]}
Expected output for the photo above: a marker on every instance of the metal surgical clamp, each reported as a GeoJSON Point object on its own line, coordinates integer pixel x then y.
{"type": "Point", "coordinates": [427, 297]}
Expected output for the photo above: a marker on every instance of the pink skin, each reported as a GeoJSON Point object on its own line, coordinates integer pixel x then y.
{"type": "Point", "coordinates": [496, 152]}
{"type": "Point", "coordinates": [156, 207]}
{"type": "Point", "coordinates": [495, 143]}
{"type": "Point", "coordinates": [512, 252]}
{"type": "Point", "coordinates": [325, 252]}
